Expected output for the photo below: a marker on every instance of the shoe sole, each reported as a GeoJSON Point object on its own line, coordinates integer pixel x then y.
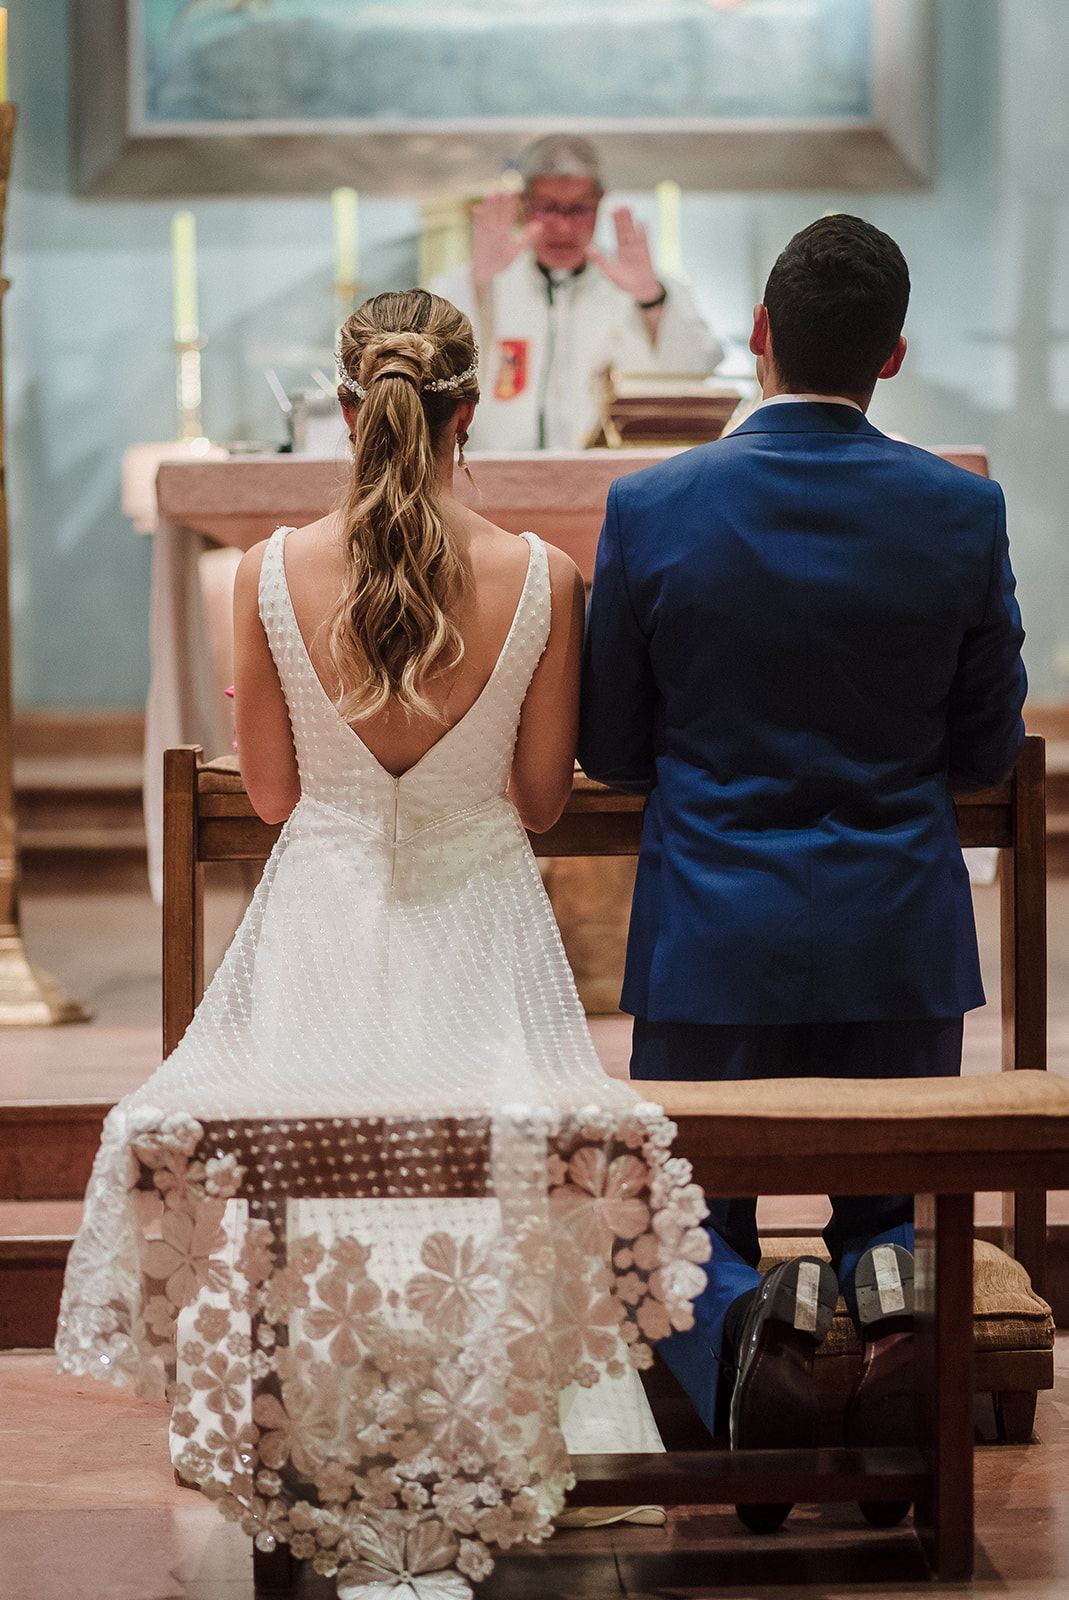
{"type": "Point", "coordinates": [884, 1284]}
{"type": "Point", "coordinates": [882, 1410]}
{"type": "Point", "coordinates": [775, 1406]}
{"type": "Point", "coordinates": [797, 1303]}
{"type": "Point", "coordinates": [804, 1297]}
{"type": "Point", "coordinates": [609, 1516]}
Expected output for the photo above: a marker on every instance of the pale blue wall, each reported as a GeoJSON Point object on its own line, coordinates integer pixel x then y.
{"type": "Point", "coordinates": [89, 367]}
{"type": "Point", "coordinates": [88, 322]}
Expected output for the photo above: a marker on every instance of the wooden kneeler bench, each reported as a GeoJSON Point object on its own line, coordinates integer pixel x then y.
{"type": "Point", "coordinates": [892, 1147]}
{"type": "Point", "coordinates": [941, 1139]}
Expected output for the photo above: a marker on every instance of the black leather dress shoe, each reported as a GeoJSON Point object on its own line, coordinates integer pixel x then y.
{"type": "Point", "coordinates": [773, 1406]}
{"type": "Point", "coordinates": [883, 1407]}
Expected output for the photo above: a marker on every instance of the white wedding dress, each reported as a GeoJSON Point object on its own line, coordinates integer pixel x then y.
{"type": "Point", "coordinates": [378, 1381]}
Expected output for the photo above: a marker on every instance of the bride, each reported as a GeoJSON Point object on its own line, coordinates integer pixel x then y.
{"type": "Point", "coordinates": [390, 1381]}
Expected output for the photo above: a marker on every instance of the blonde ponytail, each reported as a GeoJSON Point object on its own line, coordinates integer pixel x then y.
{"type": "Point", "coordinates": [392, 630]}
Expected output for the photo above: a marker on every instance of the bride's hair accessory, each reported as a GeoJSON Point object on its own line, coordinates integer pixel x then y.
{"type": "Point", "coordinates": [435, 386]}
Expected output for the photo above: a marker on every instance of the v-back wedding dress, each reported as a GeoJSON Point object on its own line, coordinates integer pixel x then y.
{"type": "Point", "coordinates": [379, 1381]}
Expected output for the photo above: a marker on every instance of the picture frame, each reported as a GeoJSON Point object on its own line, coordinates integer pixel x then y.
{"type": "Point", "coordinates": [122, 146]}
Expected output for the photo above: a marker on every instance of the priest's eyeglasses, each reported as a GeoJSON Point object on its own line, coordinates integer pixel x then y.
{"type": "Point", "coordinates": [549, 212]}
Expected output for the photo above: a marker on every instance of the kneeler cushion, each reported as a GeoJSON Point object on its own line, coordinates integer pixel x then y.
{"type": "Point", "coordinates": [1007, 1313]}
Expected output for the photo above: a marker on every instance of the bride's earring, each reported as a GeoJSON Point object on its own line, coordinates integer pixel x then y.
{"type": "Point", "coordinates": [462, 439]}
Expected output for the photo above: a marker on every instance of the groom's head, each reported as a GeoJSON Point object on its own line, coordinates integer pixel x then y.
{"type": "Point", "coordinates": [832, 315]}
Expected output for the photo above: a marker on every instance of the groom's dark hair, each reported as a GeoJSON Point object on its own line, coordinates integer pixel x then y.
{"type": "Point", "coordinates": [836, 301]}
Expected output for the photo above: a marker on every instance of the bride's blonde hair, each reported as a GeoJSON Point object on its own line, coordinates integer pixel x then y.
{"type": "Point", "coordinates": [392, 629]}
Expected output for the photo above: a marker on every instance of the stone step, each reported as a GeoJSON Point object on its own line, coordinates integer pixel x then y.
{"type": "Point", "coordinates": [36, 1237]}
{"type": "Point", "coordinates": [77, 792]}
{"type": "Point", "coordinates": [1058, 780]}
{"type": "Point", "coordinates": [80, 819]}
{"type": "Point", "coordinates": [47, 1148]}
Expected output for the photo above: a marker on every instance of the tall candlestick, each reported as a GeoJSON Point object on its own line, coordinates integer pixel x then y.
{"type": "Point", "coordinates": [27, 995]}
{"type": "Point", "coordinates": [345, 206]}
{"type": "Point", "coordinates": [3, 52]}
{"type": "Point", "coordinates": [184, 262]}
{"type": "Point", "coordinates": [669, 237]}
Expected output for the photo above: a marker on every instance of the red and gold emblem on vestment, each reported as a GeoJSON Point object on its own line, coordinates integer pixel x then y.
{"type": "Point", "coordinates": [511, 379]}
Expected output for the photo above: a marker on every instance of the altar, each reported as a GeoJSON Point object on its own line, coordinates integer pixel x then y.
{"type": "Point", "coordinates": [210, 510]}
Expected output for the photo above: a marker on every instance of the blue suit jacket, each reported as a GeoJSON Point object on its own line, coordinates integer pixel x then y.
{"type": "Point", "coordinates": [801, 640]}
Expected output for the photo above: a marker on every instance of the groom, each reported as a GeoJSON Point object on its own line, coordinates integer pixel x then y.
{"type": "Point", "coordinates": [802, 641]}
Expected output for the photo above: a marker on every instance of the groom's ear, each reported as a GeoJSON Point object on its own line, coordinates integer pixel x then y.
{"type": "Point", "coordinates": [759, 336]}
{"type": "Point", "coordinates": [894, 360]}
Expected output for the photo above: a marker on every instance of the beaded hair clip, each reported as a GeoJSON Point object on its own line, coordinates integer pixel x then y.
{"type": "Point", "coordinates": [436, 386]}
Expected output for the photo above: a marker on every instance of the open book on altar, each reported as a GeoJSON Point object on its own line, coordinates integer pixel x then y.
{"type": "Point", "coordinates": [643, 409]}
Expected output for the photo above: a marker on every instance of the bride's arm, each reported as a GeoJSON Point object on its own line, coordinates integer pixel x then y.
{"type": "Point", "coordinates": [265, 740]}
{"type": "Point", "coordinates": [543, 762]}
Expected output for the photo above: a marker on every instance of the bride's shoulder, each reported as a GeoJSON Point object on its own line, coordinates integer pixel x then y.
{"type": "Point", "coordinates": [563, 571]}
{"type": "Point", "coordinates": [567, 590]}
{"type": "Point", "coordinates": [312, 537]}
{"type": "Point", "coordinates": [249, 568]}
{"type": "Point", "coordinates": [506, 551]}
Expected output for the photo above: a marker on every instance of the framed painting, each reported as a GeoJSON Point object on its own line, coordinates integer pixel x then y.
{"type": "Point", "coordinates": [420, 96]}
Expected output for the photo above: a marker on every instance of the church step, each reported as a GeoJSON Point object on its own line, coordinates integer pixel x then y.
{"type": "Point", "coordinates": [35, 1239]}
{"type": "Point", "coordinates": [78, 795]}
{"type": "Point", "coordinates": [47, 1148]}
{"type": "Point", "coordinates": [1058, 782]}
{"type": "Point", "coordinates": [36, 1236]}
{"type": "Point", "coordinates": [82, 838]}
{"type": "Point", "coordinates": [80, 819]}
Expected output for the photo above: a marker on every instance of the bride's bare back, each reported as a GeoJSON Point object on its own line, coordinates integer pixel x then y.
{"type": "Point", "coordinates": [497, 562]}
{"type": "Point", "coordinates": [497, 566]}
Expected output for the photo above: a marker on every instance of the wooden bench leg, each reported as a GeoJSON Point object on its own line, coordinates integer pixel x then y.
{"type": "Point", "coordinates": [183, 895]}
{"type": "Point", "coordinates": [944, 1324]}
{"type": "Point", "coordinates": [273, 1572]}
{"type": "Point", "coordinates": [1015, 1415]}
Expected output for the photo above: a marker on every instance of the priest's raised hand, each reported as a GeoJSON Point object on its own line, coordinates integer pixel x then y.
{"type": "Point", "coordinates": [632, 268]}
{"type": "Point", "coordinates": [497, 238]}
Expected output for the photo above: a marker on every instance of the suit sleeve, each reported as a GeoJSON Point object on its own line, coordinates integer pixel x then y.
{"type": "Point", "coordinates": [984, 719]}
{"type": "Point", "coordinates": [619, 695]}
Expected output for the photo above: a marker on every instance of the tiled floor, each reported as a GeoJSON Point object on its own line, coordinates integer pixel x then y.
{"type": "Point", "coordinates": [89, 1511]}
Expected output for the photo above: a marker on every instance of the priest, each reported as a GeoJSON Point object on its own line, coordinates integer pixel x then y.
{"type": "Point", "coordinates": [552, 313]}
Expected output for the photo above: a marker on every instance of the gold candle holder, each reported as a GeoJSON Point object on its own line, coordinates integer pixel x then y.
{"type": "Point", "coordinates": [27, 996]}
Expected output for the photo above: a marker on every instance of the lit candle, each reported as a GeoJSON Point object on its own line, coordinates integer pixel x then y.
{"type": "Point", "coordinates": [669, 243]}
{"type": "Point", "coordinates": [3, 52]}
{"type": "Point", "coordinates": [184, 262]}
{"type": "Point", "coordinates": [345, 207]}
